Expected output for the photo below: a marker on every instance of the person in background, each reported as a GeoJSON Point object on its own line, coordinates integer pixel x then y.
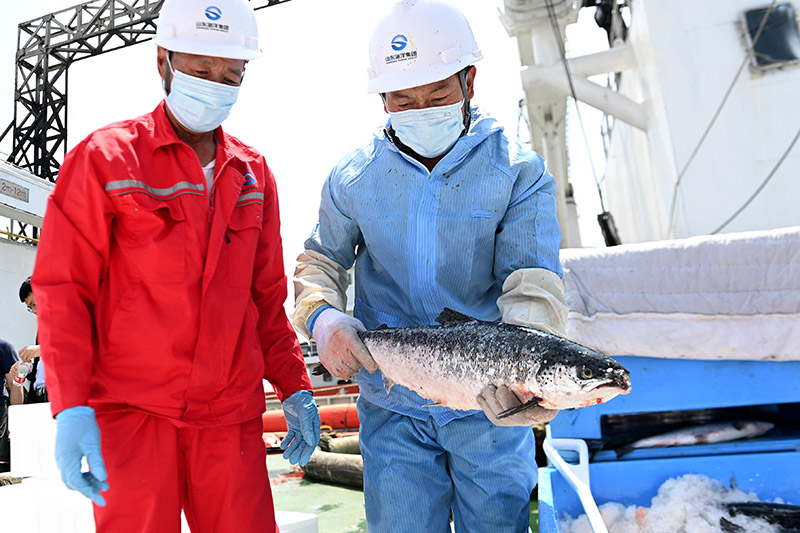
{"type": "Point", "coordinates": [35, 391]}
{"type": "Point", "coordinates": [160, 294]}
{"type": "Point", "coordinates": [438, 210]}
{"type": "Point", "coordinates": [12, 394]}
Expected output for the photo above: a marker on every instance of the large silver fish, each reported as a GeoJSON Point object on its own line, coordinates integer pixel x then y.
{"type": "Point", "coordinates": [451, 363]}
{"type": "Point", "coordinates": [702, 434]}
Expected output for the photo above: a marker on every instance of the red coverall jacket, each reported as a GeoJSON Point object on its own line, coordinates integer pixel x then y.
{"type": "Point", "coordinates": [152, 296]}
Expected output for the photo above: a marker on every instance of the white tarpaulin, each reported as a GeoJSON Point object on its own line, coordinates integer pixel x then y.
{"type": "Point", "coordinates": [734, 296]}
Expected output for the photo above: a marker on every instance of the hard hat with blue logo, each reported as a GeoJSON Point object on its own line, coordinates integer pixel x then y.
{"type": "Point", "coordinates": [419, 42]}
{"type": "Point", "coordinates": [219, 28]}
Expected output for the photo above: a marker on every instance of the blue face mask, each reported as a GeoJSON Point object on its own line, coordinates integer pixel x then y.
{"type": "Point", "coordinates": [430, 132]}
{"type": "Point", "coordinates": [199, 105]}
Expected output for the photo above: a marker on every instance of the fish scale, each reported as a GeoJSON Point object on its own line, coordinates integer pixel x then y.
{"type": "Point", "coordinates": [452, 362]}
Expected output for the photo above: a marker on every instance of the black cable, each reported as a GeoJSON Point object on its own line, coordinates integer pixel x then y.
{"type": "Point", "coordinates": [760, 187]}
{"type": "Point", "coordinates": [756, 37]}
{"type": "Point", "coordinates": [551, 12]}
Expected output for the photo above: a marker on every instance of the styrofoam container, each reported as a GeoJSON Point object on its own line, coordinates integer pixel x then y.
{"type": "Point", "coordinates": [44, 500]}
{"type": "Point", "coordinates": [291, 522]}
{"type": "Point", "coordinates": [46, 505]}
{"type": "Point", "coordinates": [32, 434]}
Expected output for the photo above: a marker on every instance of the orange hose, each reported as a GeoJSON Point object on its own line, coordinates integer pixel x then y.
{"type": "Point", "coordinates": [337, 416]}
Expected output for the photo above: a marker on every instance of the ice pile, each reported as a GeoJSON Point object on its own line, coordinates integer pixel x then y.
{"type": "Point", "coordinates": [688, 504]}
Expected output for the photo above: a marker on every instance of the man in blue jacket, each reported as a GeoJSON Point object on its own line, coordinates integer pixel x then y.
{"type": "Point", "coordinates": [438, 210]}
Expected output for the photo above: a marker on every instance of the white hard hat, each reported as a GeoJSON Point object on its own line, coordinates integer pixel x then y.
{"type": "Point", "coordinates": [419, 42]}
{"type": "Point", "coordinates": [219, 28]}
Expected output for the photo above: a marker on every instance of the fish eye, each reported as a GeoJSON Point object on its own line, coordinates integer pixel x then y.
{"type": "Point", "coordinates": [586, 372]}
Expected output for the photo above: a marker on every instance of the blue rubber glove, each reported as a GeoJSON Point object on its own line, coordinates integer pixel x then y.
{"type": "Point", "coordinates": [302, 422]}
{"type": "Point", "coordinates": [78, 436]}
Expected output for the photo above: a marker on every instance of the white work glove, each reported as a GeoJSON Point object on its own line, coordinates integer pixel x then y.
{"type": "Point", "coordinates": [340, 350]}
{"type": "Point", "coordinates": [494, 400]}
{"type": "Point", "coordinates": [534, 298]}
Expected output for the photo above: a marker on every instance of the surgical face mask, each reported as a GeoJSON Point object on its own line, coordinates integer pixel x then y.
{"type": "Point", "coordinates": [199, 105]}
{"type": "Point", "coordinates": [430, 132]}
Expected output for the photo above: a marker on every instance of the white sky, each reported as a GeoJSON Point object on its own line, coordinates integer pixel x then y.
{"type": "Point", "coordinates": [304, 104]}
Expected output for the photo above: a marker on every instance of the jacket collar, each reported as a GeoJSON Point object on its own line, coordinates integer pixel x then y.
{"type": "Point", "coordinates": [163, 134]}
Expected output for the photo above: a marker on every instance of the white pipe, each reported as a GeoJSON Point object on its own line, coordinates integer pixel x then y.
{"type": "Point", "coordinates": [577, 476]}
{"type": "Point", "coordinates": [604, 99]}
{"type": "Point", "coordinates": [614, 59]}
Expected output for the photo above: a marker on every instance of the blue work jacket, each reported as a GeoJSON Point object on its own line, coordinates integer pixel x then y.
{"type": "Point", "coordinates": [422, 241]}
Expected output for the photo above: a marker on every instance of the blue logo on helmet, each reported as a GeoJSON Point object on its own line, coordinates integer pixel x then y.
{"type": "Point", "coordinates": [399, 42]}
{"type": "Point", "coordinates": [249, 179]}
{"type": "Point", "coordinates": [213, 13]}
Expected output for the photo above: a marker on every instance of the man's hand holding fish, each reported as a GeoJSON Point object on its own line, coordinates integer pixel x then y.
{"type": "Point", "coordinates": [340, 350]}
{"type": "Point", "coordinates": [496, 400]}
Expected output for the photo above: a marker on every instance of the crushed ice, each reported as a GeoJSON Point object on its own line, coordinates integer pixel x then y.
{"type": "Point", "coordinates": [688, 504]}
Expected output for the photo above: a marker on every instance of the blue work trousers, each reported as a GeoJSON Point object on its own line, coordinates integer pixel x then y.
{"type": "Point", "coordinates": [416, 472]}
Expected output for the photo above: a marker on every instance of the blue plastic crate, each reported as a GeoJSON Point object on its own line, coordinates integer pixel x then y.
{"type": "Point", "coordinates": [770, 467]}
{"type": "Point", "coordinates": [678, 384]}
{"type": "Point", "coordinates": [770, 475]}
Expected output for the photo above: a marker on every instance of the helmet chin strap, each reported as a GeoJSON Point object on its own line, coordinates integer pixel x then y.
{"type": "Point", "coordinates": [168, 73]}
{"type": "Point", "coordinates": [462, 76]}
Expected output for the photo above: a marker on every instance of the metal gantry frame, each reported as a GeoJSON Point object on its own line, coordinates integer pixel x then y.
{"type": "Point", "coordinates": [46, 47]}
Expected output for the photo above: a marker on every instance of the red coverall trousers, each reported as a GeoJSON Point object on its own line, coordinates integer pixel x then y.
{"type": "Point", "coordinates": [161, 468]}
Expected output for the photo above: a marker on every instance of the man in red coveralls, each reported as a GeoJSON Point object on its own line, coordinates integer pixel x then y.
{"type": "Point", "coordinates": [160, 289]}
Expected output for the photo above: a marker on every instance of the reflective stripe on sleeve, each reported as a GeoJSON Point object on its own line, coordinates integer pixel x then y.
{"type": "Point", "coordinates": [250, 198]}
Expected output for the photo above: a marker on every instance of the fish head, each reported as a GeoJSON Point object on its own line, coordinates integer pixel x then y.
{"type": "Point", "coordinates": [580, 378]}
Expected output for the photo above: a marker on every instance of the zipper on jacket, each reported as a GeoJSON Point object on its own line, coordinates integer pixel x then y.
{"type": "Point", "coordinates": [211, 201]}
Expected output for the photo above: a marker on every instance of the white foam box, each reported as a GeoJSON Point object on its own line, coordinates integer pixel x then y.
{"type": "Point", "coordinates": [291, 522]}
{"type": "Point", "coordinates": [288, 522]}
{"type": "Point", "coordinates": [45, 505]}
{"type": "Point", "coordinates": [32, 433]}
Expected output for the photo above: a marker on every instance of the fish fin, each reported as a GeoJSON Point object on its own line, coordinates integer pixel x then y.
{"type": "Point", "coordinates": [435, 404]}
{"type": "Point", "coordinates": [450, 316]}
{"type": "Point", "coordinates": [382, 326]}
{"type": "Point", "coordinates": [519, 408]}
{"type": "Point", "coordinates": [388, 384]}
{"type": "Point", "coordinates": [625, 450]}
{"type": "Point", "coordinates": [729, 527]}
{"type": "Point", "coordinates": [319, 370]}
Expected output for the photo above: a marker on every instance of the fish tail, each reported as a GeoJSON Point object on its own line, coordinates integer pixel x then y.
{"type": "Point", "coordinates": [786, 516]}
{"type": "Point", "coordinates": [319, 370]}
{"type": "Point", "coordinates": [729, 527]}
